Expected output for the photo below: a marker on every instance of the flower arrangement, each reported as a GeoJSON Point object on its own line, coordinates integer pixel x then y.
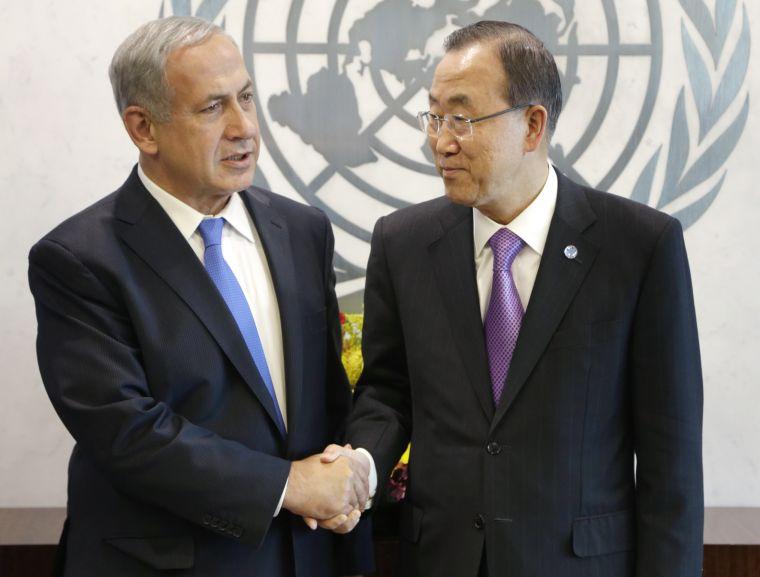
{"type": "Point", "coordinates": [351, 336]}
{"type": "Point", "coordinates": [351, 355]}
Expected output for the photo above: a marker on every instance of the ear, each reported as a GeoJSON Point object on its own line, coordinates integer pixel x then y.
{"type": "Point", "coordinates": [538, 119]}
{"type": "Point", "coordinates": [141, 129]}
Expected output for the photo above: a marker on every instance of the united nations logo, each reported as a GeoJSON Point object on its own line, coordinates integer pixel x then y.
{"type": "Point", "coordinates": [655, 98]}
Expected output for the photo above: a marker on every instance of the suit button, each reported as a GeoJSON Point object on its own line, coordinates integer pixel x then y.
{"type": "Point", "coordinates": [479, 522]}
{"type": "Point", "coordinates": [493, 448]}
{"type": "Point", "coordinates": [237, 532]}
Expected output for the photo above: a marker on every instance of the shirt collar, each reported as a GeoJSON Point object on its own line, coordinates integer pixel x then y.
{"type": "Point", "coordinates": [187, 219]}
{"type": "Point", "coordinates": [531, 225]}
{"type": "Point", "coordinates": [237, 216]}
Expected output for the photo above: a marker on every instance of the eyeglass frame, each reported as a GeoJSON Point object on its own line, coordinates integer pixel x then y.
{"type": "Point", "coordinates": [446, 118]}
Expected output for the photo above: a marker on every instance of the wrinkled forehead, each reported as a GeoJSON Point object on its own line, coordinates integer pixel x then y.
{"type": "Point", "coordinates": [468, 76]}
{"type": "Point", "coordinates": [216, 56]}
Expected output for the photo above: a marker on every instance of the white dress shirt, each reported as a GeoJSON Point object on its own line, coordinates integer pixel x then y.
{"type": "Point", "coordinates": [244, 253]}
{"type": "Point", "coordinates": [531, 225]}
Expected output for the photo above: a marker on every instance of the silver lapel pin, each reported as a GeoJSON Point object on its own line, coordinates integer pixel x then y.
{"type": "Point", "coordinates": [571, 251]}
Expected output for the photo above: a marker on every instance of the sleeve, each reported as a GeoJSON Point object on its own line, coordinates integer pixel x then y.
{"type": "Point", "coordinates": [381, 421]}
{"type": "Point", "coordinates": [666, 379]}
{"type": "Point", "coordinates": [339, 390]}
{"type": "Point", "coordinates": [354, 552]}
{"type": "Point", "coordinates": [372, 473]}
{"type": "Point", "coordinates": [91, 365]}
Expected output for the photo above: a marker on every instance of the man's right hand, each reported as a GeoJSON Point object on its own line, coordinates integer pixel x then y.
{"type": "Point", "coordinates": [343, 523]}
{"type": "Point", "coordinates": [325, 490]}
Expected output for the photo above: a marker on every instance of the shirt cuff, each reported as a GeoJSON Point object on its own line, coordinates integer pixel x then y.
{"type": "Point", "coordinates": [372, 476]}
{"type": "Point", "coordinates": [282, 498]}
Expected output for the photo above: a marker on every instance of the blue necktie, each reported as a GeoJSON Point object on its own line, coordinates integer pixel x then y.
{"type": "Point", "coordinates": [224, 279]}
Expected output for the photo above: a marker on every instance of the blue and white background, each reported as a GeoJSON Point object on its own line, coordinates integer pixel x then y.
{"type": "Point", "coordinates": [660, 106]}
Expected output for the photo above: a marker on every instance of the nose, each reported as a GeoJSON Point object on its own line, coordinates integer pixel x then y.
{"type": "Point", "coordinates": [242, 124]}
{"type": "Point", "coordinates": [445, 143]}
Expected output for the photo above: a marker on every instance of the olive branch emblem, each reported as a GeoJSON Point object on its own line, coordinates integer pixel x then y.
{"type": "Point", "coordinates": [207, 9]}
{"type": "Point", "coordinates": [705, 126]}
{"type": "Point", "coordinates": [683, 191]}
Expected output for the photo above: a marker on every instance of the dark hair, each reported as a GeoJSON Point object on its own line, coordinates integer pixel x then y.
{"type": "Point", "coordinates": [532, 76]}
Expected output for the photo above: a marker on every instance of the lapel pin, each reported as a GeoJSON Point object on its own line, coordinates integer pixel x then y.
{"type": "Point", "coordinates": [571, 252]}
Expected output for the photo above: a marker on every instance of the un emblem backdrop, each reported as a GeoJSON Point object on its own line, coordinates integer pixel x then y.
{"type": "Point", "coordinates": [338, 84]}
{"type": "Point", "coordinates": [660, 106]}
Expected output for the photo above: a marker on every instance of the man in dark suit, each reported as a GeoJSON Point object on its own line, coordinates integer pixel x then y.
{"type": "Point", "coordinates": [536, 341]}
{"type": "Point", "coordinates": [189, 340]}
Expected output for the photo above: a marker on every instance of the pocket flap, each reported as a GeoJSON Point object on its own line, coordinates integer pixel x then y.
{"type": "Point", "coordinates": [411, 522]}
{"type": "Point", "coordinates": [604, 534]}
{"type": "Point", "coordinates": [158, 552]}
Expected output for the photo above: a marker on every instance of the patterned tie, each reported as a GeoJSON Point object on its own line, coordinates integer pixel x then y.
{"type": "Point", "coordinates": [505, 311]}
{"type": "Point", "coordinates": [224, 279]}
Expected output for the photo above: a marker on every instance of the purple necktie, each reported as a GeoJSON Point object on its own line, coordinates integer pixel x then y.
{"type": "Point", "coordinates": [505, 311]}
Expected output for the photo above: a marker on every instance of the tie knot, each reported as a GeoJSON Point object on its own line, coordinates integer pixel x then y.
{"type": "Point", "coordinates": [505, 245]}
{"type": "Point", "coordinates": [211, 231]}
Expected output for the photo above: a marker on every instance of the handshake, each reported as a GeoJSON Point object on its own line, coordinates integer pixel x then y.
{"type": "Point", "coordinates": [329, 490]}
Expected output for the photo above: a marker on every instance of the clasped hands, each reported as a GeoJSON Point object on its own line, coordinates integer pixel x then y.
{"type": "Point", "coordinates": [329, 490]}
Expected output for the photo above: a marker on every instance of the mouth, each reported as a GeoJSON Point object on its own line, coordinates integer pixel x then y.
{"type": "Point", "coordinates": [240, 160]}
{"type": "Point", "coordinates": [449, 171]}
{"type": "Point", "coordinates": [240, 156]}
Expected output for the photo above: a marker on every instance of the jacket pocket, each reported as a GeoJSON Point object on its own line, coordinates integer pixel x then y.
{"type": "Point", "coordinates": [410, 525]}
{"type": "Point", "coordinates": [158, 552]}
{"type": "Point", "coordinates": [569, 338]}
{"type": "Point", "coordinates": [604, 534]}
{"type": "Point", "coordinates": [589, 334]}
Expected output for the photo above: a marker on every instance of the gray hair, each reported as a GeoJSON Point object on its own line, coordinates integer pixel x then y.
{"type": "Point", "coordinates": [532, 75]}
{"type": "Point", "coordinates": [138, 68]}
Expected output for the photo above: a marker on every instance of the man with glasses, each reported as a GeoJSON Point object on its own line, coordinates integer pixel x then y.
{"type": "Point", "coordinates": [536, 341]}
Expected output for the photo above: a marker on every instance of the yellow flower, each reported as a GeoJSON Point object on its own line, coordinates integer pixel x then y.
{"type": "Point", "coordinates": [351, 355]}
{"type": "Point", "coordinates": [351, 334]}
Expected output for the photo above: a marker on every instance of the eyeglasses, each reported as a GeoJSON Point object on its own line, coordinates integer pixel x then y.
{"type": "Point", "coordinates": [458, 125]}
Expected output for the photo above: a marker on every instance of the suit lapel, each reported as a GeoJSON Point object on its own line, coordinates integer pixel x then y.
{"type": "Point", "coordinates": [275, 236]}
{"type": "Point", "coordinates": [452, 254]}
{"type": "Point", "coordinates": [557, 282]}
{"type": "Point", "coordinates": [149, 232]}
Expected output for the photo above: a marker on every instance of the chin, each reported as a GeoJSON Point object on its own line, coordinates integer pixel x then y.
{"type": "Point", "coordinates": [240, 183]}
{"type": "Point", "coordinates": [458, 195]}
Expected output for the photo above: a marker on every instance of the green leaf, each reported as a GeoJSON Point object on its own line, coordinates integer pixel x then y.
{"type": "Point", "coordinates": [694, 211]}
{"type": "Point", "coordinates": [700, 16]}
{"type": "Point", "coordinates": [724, 15]}
{"type": "Point", "coordinates": [642, 191]}
{"type": "Point", "coordinates": [699, 78]}
{"type": "Point", "coordinates": [210, 9]}
{"type": "Point", "coordinates": [736, 70]}
{"type": "Point", "coordinates": [181, 8]}
{"type": "Point", "coordinates": [678, 152]}
{"type": "Point", "coordinates": [716, 155]}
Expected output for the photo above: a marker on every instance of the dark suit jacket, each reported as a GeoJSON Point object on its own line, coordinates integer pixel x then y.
{"type": "Point", "coordinates": [178, 462]}
{"type": "Point", "coordinates": [606, 367]}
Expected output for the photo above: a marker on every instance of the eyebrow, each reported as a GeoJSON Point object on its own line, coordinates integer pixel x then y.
{"type": "Point", "coordinates": [247, 86]}
{"type": "Point", "coordinates": [461, 99]}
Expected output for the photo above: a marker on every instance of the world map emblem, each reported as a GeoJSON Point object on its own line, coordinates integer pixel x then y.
{"type": "Point", "coordinates": [654, 98]}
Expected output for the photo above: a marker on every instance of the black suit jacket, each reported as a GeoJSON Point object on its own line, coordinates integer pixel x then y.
{"type": "Point", "coordinates": [178, 463]}
{"type": "Point", "coordinates": [606, 367]}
